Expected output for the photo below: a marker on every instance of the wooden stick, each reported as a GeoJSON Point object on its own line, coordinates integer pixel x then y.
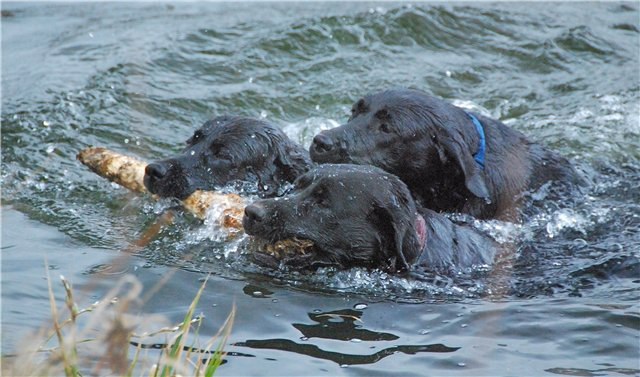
{"type": "Point", "coordinates": [226, 209]}
{"type": "Point", "coordinates": [129, 173]}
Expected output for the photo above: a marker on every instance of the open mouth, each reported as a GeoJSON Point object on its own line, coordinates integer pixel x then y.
{"type": "Point", "coordinates": [292, 252]}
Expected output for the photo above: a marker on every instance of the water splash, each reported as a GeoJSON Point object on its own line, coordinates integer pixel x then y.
{"type": "Point", "coordinates": [566, 219]}
{"type": "Point", "coordinates": [304, 131]}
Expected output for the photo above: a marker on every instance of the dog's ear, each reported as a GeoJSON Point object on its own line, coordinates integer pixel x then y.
{"type": "Point", "coordinates": [292, 161]}
{"type": "Point", "coordinates": [399, 244]}
{"type": "Point", "coordinates": [282, 160]}
{"type": "Point", "coordinates": [456, 148]}
{"type": "Point", "coordinates": [268, 180]}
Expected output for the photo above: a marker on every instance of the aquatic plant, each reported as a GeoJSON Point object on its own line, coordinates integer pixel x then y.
{"type": "Point", "coordinates": [97, 340]}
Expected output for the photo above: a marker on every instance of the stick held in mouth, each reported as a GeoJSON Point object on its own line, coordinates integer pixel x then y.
{"type": "Point", "coordinates": [129, 173]}
{"type": "Point", "coordinates": [123, 170]}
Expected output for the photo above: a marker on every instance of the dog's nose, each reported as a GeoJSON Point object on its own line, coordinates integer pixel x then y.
{"type": "Point", "coordinates": [255, 212]}
{"type": "Point", "coordinates": [322, 143]}
{"type": "Point", "coordinates": [156, 170]}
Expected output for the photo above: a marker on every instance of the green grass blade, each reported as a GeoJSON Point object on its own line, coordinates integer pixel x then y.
{"type": "Point", "coordinates": [178, 345]}
{"type": "Point", "coordinates": [216, 360]}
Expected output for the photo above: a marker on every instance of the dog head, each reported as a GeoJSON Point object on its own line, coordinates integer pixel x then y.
{"type": "Point", "coordinates": [409, 134]}
{"type": "Point", "coordinates": [354, 216]}
{"type": "Point", "coordinates": [228, 150]}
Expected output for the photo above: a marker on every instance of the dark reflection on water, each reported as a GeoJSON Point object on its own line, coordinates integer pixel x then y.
{"type": "Point", "coordinates": [256, 291]}
{"type": "Point", "coordinates": [161, 346]}
{"type": "Point", "coordinates": [343, 325]}
{"type": "Point", "coordinates": [340, 358]}
{"type": "Point", "coordinates": [340, 325]}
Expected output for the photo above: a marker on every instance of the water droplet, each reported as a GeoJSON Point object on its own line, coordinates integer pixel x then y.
{"type": "Point", "coordinates": [274, 300]}
{"type": "Point", "coordinates": [276, 315]}
{"type": "Point", "coordinates": [90, 35]}
{"type": "Point", "coordinates": [46, 123]}
{"type": "Point", "coordinates": [356, 340]}
{"type": "Point", "coordinates": [257, 293]}
{"type": "Point", "coordinates": [448, 73]}
{"type": "Point", "coordinates": [317, 107]}
{"type": "Point", "coordinates": [424, 332]}
{"type": "Point", "coordinates": [50, 149]}
{"type": "Point", "coordinates": [304, 338]}
{"type": "Point", "coordinates": [464, 325]}
{"type": "Point", "coordinates": [126, 141]}
{"type": "Point", "coordinates": [250, 80]}
{"type": "Point", "coordinates": [462, 364]}
{"type": "Point", "coordinates": [360, 306]}
{"type": "Point", "coordinates": [263, 114]}
{"type": "Point", "coordinates": [344, 365]}
{"type": "Point", "coordinates": [317, 311]}
{"type": "Point", "coordinates": [193, 153]}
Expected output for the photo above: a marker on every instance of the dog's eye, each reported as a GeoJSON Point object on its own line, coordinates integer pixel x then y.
{"type": "Point", "coordinates": [384, 127]}
{"type": "Point", "coordinates": [321, 197]}
{"type": "Point", "coordinates": [223, 155]}
{"type": "Point", "coordinates": [219, 152]}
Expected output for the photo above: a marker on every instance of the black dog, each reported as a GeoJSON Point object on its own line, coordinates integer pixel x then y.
{"type": "Point", "coordinates": [452, 160]}
{"type": "Point", "coordinates": [362, 216]}
{"type": "Point", "coordinates": [228, 150]}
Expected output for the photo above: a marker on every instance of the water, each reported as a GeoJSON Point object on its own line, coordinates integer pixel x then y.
{"type": "Point", "coordinates": [139, 78]}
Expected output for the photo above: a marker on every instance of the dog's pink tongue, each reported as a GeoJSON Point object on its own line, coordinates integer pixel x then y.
{"type": "Point", "coordinates": [421, 230]}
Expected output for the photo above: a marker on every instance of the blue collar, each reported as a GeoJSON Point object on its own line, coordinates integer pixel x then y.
{"type": "Point", "coordinates": [479, 155]}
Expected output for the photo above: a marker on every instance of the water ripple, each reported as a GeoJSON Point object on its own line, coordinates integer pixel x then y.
{"type": "Point", "coordinates": [141, 82]}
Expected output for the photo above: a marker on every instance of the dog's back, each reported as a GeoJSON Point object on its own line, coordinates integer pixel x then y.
{"type": "Point", "coordinates": [450, 246]}
{"type": "Point", "coordinates": [516, 165]}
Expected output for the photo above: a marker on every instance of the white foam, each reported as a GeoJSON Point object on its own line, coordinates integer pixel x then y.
{"type": "Point", "coordinates": [566, 219]}
{"type": "Point", "coordinates": [470, 105]}
{"type": "Point", "coordinates": [304, 131]}
{"type": "Point", "coordinates": [501, 231]}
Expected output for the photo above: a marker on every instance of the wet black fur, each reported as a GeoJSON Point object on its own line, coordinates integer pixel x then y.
{"type": "Point", "coordinates": [230, 150]}
{"type": "Point", "coordinates": [430, 144]}
{"type": "Point", "coordinates": [362, 216]}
